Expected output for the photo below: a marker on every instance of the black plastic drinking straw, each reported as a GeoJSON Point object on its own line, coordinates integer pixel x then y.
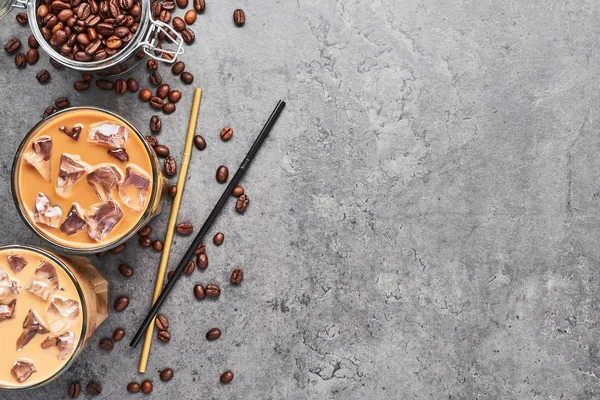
{"type": "Point", "coordinates": [209, 221]}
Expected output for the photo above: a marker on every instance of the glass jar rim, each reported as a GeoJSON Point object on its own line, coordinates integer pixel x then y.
{"type": "Point", "coordinates": [80, 342]}
{"type": "Point", "coordinates": [93, 249]}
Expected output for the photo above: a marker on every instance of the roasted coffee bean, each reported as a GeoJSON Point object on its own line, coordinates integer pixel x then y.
{"type": "Point", "coordinates": [187, 78]}
{"type": "Point", "coordinates": [156, 102]}
{"type": "Point", "coordinates": [222, 174]}
{"type": "Point", "coordinates": [164, 336]}
{"type": "Point", "coordinates": [118, 249]}
{"type": "Point", "coordinates": [74, 390]}
{"type": "Point", "coordinates": [226, 133]}
{"type": "Point", "coordinates": [165, 16]}
{"type": "Point", "coordinates": [132, 85]}
{"type": "Point", "coordinates": [145, 241]}
{"type": "Point", "coordinates": [42, 11]}
{"type": "Point", "coordinates": [121, 303]}
{"type": "Point", "coordinates": [62, 102]}
{"type": "Point", "coordinates": [157, 245]}
{"type": "Point", "coordinates": [49, 111]}
{"type": "Point", "coordinates": [202, 261]}
{"type": "Point", "coordinates": [213, 290]}
{"type": "Point", "coordinates": [155, 124]}
{"type": "Point", "coordinates": [118, 334]}
{"type": "Point", "coordinates": [239, 17]}
{"type": "Point", "coordinates": [126, 270]}
{"type": "Point", "coordinates": [32, 42]}
{"type": "Point", "coordinates": [168, 108]}
{"type": "Point", "coordinates": [145, 231]}
{"type": "Point", "coordinates": [161, 150]}
{"type": "Point", "coordinates": [104, 84]}
{"type": "Point", "coordinates": [146, 387]}
{"type": "Point", "coordinates": [120, 86]}
{"type": "Point", "coordinates": [106, 344]}
{"type": "Point", "coordinates": [172, 190]}
{"type": "Point", "coordinates": [145, 94]}
{"type": "Point", "coordinates": [199, 292]}
{"type": "Point", "coordinates": [236, 276]}
{"type": "Point", "coordinates": [126, 4]}
{"type": "Point", "coordinates": [218, 238]}
{"type": "Point", "coordinates": [152, 142]}
{"type": "Point", "coordinates": [155, 78]}
{"type": "Point", "coordinates": [42, 76]}
{"type": "Point", "coordinates": [113, 42]}
{"type": "Point", "coordinates": [58, 38]}
{"type": "Point", "coordinates": [242, 203]}
{"type": "Point", "coordinates": [170, 166]}
{"type": "Point", "coordinates": [122, 32]}
{"type": "Point", "coordinates": [12, 45]}
{"type": "Point", "coordinates": [213, 334]}
{"type": "Point", "coordinates": [188, 35]}
{"type": "Point", "coordinates": [166, 374]}
{"type": "Point", "coordinates": [226, 377]}
{"type": "Point", "coordinates": [190, 17]}
{"type": "Point", "coordinates": [199, 5]}
{"type": "Point", "coordinates": [64, 15]}
{"type": "Point", "coordinates": [162, 323]}
{"type": "Point", "coordinates": [178, 67]}
{"type": "Point", "coordinates": [163, 91]}
{"type": "Point", "coordinates": [32, 56]}
{"type": "Point", "coordinates": [119, 154]}
{"type": "Point", "coordinates": [178, 24]}
{"type": "Point", "coordinates": [182, 3]}
{"type": "Point", "coordinates": [22, 18]}
{"type": "Point", "coordinates": [199, 142]}
{"type": "Point", "coordinates": [93, 388]}
{"type": "Point", "coordinates": [156, 9]}
{"type": "Point", "coordinates": [174, 96]}
{"type": "Point", "coordinates": [184, 228]}
{"type": "Point", "coordinates": [133, 387]}
{"type": "Point", "coordinates": [237, 191]}
{"type": "Point", "coordinates": [168, 5]}
{"type": "Point", "coordinates": [20, 60]}
{"type": "Point", "coordinates": [170, 274]}
{"type": "Point", "coordinates": [81, 86]}
{"type": "Point", "coordinates": [189, 268]}
{"type": "Point", "coordinates": [152, 64]}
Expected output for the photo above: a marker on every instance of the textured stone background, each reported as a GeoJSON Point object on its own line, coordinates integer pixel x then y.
{"type": "Point", "coordinates": [423, 219]}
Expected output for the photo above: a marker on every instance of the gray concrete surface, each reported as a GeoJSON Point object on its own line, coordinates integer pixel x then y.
{"type": "Point", "coordinates": [423, 219]}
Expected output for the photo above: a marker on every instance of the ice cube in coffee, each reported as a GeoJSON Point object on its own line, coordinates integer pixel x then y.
{"type": "Point", "coordinates": [88, 193]}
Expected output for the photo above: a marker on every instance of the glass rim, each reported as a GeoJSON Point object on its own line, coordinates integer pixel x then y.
{"type": "Point", "coordinates": [80, 342]}
{"type": "Point", "coordinates": [16, 194]}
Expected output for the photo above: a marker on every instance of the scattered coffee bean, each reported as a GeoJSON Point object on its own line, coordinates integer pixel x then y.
{"type": "Point", "coordinates": [162, 323]}
{"type": "Point", "coordinates": [32, 56]}
{"type": "Point", "coordinates": [213, 334]}
{"type": "Point", "coordinates": [237, 191]}
{"type": "Point", "coordinates": [118, 334]}
{"type": "Point", "coordinates": [155, 124]}
{"type": "Point", "coordinates": [94, 389]}
{"type": "Point", "coordinates": [155, 78]}
{"type": "Point", "coordinates": [118, 249]}
{"type": "Point", "coordinates": [226, 377]}
{"type": "Point", "coordinates": [213, 290]}
{"type": "Point", "coordinates": [218, 238]}
{"type": "Point", "coordinates": [74, 390]}
{"type": "Point", "coordinates": [133, 387]}
{"type": "Point", "coordinates": [132, 85]}
{"type": "Point", "coordinates": [12, 45]}
{"type": "Point", "coordinates": [145, 231]}
{"type": "Point", "coordinates": [157, 245]}
{"type": "Point", "coordinates": [161, 150]}
{"type": "Point", "coordinates": [222, 174]}
{"type": "Point", "coordinates": [126, 270]}
{"type": "Point", "coordinates": [145, 94]}
{"type": "Point", "coordinates": [86, 76]}
{"type": "Point", "coordinates": [184, 228]}
{"type": "Point", "coordinates": [190, 17]}
{"type": "Point", "coordinates": [174, 96]}
{"type": "Point", "coordinates": [239, 17]}
{"type": "Point", "coordinates": [172, 190]}
{"type": "Point", "coordinates": [119, 154]}
{"type": "Point", "coordinates": [166, 374]}
{"type": "Point", "coordinates": [200, 249]}
{"type": "Point", "coordinates": [188, 35]}
{"type": "Point", "coordinates": [202, 260]}
{"type": "Point", "coordinates": [32, 42]}
{"type": "Point", "coordinates": [145, 241]}
{"type": "Point", "coordinates": [199, 142]}
{"type": "Point", "coordinates": [170, 274]}
{"type": "Point", "coordinates": [106, 344]}
{"type": "Point", "coordinates": [20, 60]}
{"type": "Point", "coordinates": [104, 84]}
{"type": "Point", "coordinates": [81, 86]}
{"type": "Point", "coordinates": [170, 166]}
{"type": "Point", "coordinates": [120, 86]}
{"type": "Point", "coordinates": [182, 3]}
{"type": "Point", "coordinates": [152, 64]}
{"type": "Point", "coordinates": [226, 133]}
{"type": "Point", "coordinates": [187, 78]}
{"type": "Point", "coordinates": [22, 18]}
{"type": "Point", "coordinates": [146, 387]}
{"type": "Point", "coordinates": [62, 102]}
{"type": "Point", "coordinates": [164, 336]}
{"type": "Point", "coordinates": [178, 67]}
{"type": "Point", "coordinates": [55, 64]}
{"type": "Point", "coordinates": [42, 76]}
{"type": "Point", "coordinates": [199, 292]}
{"type": "Point", "coordinates": [156, 102]}
{"type": "Point", "coordinates": [49, 111]}
{"type": "Point", "coordinates": [163, 91]}
{"type": "Point", "coordinates": [242, 203]}
{"type": "Point", "coordinates": [189, 268]}
{"type": "Point", "coordinates": [199, 5]}
{"type": "Point", "coordinates": [168, 108]}
{"type": "Point", "coordinates": [236, 276]}
{"type": "Point", "coordinates": [178, 24]}
{"type": "Point", "coordinates": [168, 5]}
{"type": "Point", "coordinates": [121, 303]}
{"type": "Point", "coordinates": [152, 141]}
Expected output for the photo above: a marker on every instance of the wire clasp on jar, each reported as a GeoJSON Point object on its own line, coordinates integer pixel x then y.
{"type": "Point", "coordinates": [150, 42]}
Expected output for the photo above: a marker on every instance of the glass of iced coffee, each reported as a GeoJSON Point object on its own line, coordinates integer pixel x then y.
{"type": "Point", "coordinates": [86, 180]}
{"type": "Point", "coordinates": [50, 306]}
